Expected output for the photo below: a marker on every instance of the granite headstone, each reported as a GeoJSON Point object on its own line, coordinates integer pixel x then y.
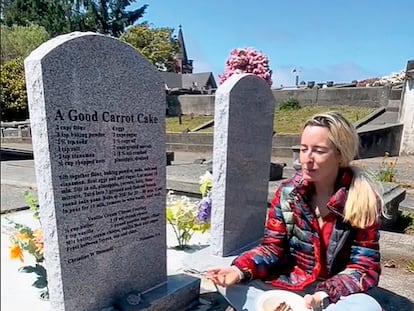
{"type": "Point", "coordinates": [97, 111]}
{"type": "Point", "coordinates": [243, 129]}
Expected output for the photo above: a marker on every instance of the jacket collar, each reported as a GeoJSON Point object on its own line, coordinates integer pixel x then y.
{"type": "Point", "coordinates": [337, 201]}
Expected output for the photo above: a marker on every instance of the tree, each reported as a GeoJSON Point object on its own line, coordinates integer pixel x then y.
{"type": "Point", "coordinates": [63, 16]}
{"type": "Point", "coordinates": [19, 41]}
{"type": "Point", "coordinates": [110, 16]}
{"type": "Point", "coordinates": [247, 60]}
{"type": "Point", "coordinates": [13, 96]}
{"type": "Point", "coordinates": [52, 15]}
{"type": "Point", "coordinates": [158, 45]}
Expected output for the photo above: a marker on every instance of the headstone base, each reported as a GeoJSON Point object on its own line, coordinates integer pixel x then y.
{"type": "Point", "coordinates": [178, 293]}
{"type": "Point", "coordinates": [393, 195]}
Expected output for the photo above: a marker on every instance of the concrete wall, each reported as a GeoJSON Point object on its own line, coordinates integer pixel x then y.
{"type": "Point", "coordinates": [407, 112]}
{"type": "Point", "coordinates": [202, 105]}
{"type": "Point", "coordinates": [350, 96]}
{"type": "Point", "coordinates": [203, 142]}
{"type": "Point", "coordinates": [375, 142]}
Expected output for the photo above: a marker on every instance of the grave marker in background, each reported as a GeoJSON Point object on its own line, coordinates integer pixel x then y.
{"type": "Point", "coordinates": [243, 129]}
{"type": "Point", "coordinates": [97, 112]}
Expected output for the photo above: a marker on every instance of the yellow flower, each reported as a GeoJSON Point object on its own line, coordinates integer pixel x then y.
{"type": "Point", "coordinates": [16, 252]}
{"type": "Point", "coordinates": [38, 240]}
{"type": "Point", "coordinates": [22, 237]}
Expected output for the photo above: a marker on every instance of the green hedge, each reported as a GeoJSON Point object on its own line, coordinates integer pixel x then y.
{"type": "Point", "coordinates": [13, 96]}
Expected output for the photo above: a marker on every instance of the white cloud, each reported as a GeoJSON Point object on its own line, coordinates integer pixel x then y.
{"type": "Point", "coordinates": [284, 76]}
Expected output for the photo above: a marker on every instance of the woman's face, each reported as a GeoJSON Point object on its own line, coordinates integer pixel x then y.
{"type": "Point", "coordinates": [318, 156]}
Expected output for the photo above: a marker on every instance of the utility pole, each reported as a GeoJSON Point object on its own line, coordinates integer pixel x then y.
{"type": "Point", "coordinates": [296, 72]}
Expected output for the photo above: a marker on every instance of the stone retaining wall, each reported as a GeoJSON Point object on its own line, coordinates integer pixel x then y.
{"type": "Point", "coordinates": [349, 96]}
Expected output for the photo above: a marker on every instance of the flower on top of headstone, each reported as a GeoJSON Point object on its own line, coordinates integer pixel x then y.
{"type": "Point", "coordinates": [247, 60]}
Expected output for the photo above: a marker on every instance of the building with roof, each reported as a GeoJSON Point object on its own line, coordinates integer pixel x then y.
{"type": "Point", "coordinates": [184, 80]}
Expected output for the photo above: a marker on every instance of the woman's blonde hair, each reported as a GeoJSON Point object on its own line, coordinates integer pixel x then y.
{"type": "Point", "coordinates": [364, 203]}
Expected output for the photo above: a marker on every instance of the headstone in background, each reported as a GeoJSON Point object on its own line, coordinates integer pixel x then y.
{"type": "Point", "coordinates": [407, 111]}
{"type": "Point", "coordinates": [243, 128]}
{"type": "Point", "coordinates": [97, 112]}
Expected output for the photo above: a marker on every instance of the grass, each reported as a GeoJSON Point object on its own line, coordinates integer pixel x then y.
{"type": "Point", "coordinates": [187, 123]}
{"type": "Point", "coordinates": [285, 121]}
{"type": "Point", "coordinates": [411, 266]}
{"type": "Point", "coordinates": [408, 219]}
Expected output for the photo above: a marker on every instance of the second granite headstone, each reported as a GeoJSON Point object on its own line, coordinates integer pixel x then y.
{"type": "Point", "coordinates": [243, 122]}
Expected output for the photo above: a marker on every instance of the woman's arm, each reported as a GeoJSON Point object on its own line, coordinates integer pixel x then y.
{"type": "Point", "coordinates": [362, 270]}
{"type": "Point", "coordinates": [256, 262]}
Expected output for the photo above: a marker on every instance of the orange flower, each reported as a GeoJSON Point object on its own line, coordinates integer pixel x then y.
{"type": "Point", "coordinates": [16, 252]}
{"type": "Point", "coordinates": [38, 240]}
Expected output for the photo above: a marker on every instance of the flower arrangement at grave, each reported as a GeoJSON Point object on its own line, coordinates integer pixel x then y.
{"type": "Point", "coordinates": [27, 241]}
{"type": "Point", "coordinates": [187, 217]}
{"type": "Point", "coordinates": [247, 60]}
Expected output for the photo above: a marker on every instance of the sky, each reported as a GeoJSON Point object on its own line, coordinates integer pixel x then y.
{"type": "Point", "coordinates": [325, 40]}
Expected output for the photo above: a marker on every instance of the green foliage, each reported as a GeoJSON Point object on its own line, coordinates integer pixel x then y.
{"type": "Point", "coordinates": [182, 216]}
{"type": "Point", "coordinates": [32, 203]}
{"type": "Point", "coordinates": [13, 97]}
{"type": "Point", "coordinates": [290, 104]}
{"type": "Point", "coordinates": [52, 15]}
{"type": "Point", "coordinates": [387, 170]}
{"type": "Point", "coordinates": [41, 276]}
{"type": "Point", "coordinates": [19, 41]}
{"type": "Point", "coordinates": [156, 44]}
{"type": "Point", "coordinates": [187, 217]}
{"type": "Point", "coordinates": [288, 122]}
{"type": "Point", "coordinates": [173, 124]}
{"type": "Point", "coordinates": [110, 16]}
{"type": "Point", "coordinates": [407, 219]}
{"type": "Point", "coordinates": [411, 266]}
{"type": "Point", "coordinates": [26, 241]}
{"type": "Point", "coordinates": [63, 16]}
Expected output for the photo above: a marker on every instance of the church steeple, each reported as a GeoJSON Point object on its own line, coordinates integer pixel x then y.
{"type": "Point", "coordinates": [184, 65]}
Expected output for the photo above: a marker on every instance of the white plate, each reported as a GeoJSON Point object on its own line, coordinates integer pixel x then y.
{"type": "Point", "coordinates": [269, 300]}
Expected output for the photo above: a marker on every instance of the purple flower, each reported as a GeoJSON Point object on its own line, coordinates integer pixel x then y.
{"type": "Point", "coordinates": [204, 210]}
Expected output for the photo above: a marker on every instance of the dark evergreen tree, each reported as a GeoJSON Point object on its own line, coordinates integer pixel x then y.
{"type": "Point", "coordinates": [61, 16]}
{"type": "Point", "coordinates": [110, 16]}
{"type": "Point", "coordinates": [49, 14]}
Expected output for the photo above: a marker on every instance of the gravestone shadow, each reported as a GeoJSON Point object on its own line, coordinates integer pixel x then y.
{"type": "Point", "coordinates": [189, 248]}
{"type": "Point", "coordinates": [9, 155]}
{"type": "Point", "coordinates": [390, 301]}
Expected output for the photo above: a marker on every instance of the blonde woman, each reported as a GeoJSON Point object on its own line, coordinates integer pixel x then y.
{"type": "Point", "coordinates": [321, 237]}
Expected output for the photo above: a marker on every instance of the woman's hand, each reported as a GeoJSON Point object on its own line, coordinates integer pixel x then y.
{"type": "Point", "coordinates": [315, 300]}
{"type": "Point", "coordinates": [224, 276]}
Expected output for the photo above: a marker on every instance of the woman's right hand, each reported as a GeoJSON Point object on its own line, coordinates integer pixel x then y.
{"type": "Point", "coordinates": [224, 276]}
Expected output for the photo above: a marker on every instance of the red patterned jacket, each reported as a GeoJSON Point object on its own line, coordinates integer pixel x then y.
{"type": "Point", "coordinates": [289, 254]}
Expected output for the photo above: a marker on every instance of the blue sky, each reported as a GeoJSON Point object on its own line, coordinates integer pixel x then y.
{"type": "Point", "coordinates": [336, 40]}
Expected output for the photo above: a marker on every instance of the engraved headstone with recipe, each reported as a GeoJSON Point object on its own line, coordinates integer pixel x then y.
{"type": "Point", "coordinates": [97, 114]}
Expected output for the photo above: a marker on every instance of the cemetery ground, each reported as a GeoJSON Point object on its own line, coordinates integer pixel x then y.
{"type": "Point", "coordinates": [395, 292]}
{"type": "Point", "coordinates": [286, 122]}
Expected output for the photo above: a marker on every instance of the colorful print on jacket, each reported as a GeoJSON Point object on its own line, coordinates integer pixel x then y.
{"type": "Point", "coordinates": [289, 254]}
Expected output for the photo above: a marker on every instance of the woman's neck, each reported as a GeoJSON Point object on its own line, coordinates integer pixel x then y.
{"type": "Point", "coordinates": [324, 189]}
